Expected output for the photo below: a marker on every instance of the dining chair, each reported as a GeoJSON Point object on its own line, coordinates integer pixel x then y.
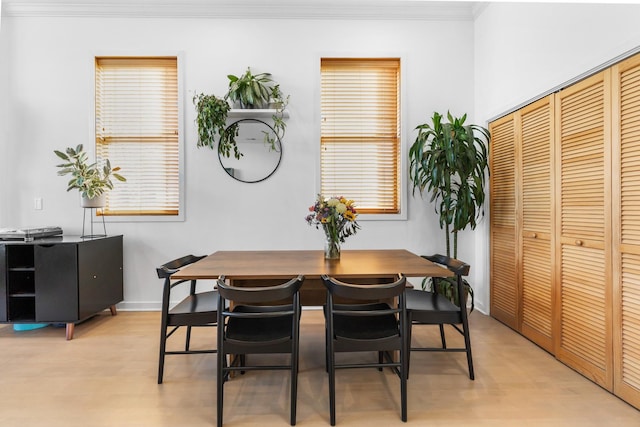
{"type": "Point", "coordinates": [258, 320]}
{"type": "Point", "coordinates": [366, 326]}
{"type": "Point", "coordinates": [195, 310]}
{"type": "Point", "coordinates": [432, 308]}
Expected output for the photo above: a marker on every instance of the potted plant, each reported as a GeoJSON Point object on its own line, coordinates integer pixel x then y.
{"type": "Point", "coordinates": [450, 161]}
{"type": "Point", "coordinates": [248, 91]}
{"type": "Point", "coordinates": [260, 91]}
{"type": "Point", "coordinates": [89, 179]}
{"type": "Point", "coordinates": [211, 117]}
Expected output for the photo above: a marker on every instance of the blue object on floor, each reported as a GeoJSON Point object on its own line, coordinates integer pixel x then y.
{"type": "Point", "coordinates": [28, 326]}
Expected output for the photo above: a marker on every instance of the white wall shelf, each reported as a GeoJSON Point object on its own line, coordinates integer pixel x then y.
{"type": "Point", "coordinates": [254, 113]}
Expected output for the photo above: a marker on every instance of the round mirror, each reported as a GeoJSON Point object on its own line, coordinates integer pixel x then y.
{"type": "Point", "coordinates": [261, 151]}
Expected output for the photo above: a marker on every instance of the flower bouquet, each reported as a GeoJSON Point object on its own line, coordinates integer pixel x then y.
{"type": "Point", "coordinates": [337, 217]}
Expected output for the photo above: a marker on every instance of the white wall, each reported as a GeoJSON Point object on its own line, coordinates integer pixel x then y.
{"type": "Point", "coordinates": [50, 84]}
{"type": "Point", "coordinates": [523, 50]}
{"type": "Point", "coordinates": [4, 116]}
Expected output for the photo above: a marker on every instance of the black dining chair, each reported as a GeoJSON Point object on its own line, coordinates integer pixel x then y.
{"type": "Point", "coordinates": [258, 320]}
{"type": "Point", "coordinates": [195, 310]}
{"type": "Point", "coordinates": [366, 326]}
{"type": "Point", "coordinates": [432, 308]}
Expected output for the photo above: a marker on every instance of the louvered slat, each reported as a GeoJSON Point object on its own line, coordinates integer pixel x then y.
{"type": "Point", "coordinates": [582, 153]}
{"type": "Point", "coordinates": [631, 320]}
{"type": "Point", "coordinates": [536, 290]}
{"type": "Point", "coordinates": [583, 322]}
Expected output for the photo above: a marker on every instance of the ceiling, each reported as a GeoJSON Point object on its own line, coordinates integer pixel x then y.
{"type": "Point", "coordinates": [252, 9]}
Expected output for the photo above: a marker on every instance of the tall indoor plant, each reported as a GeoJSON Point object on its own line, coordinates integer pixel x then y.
{"type": "Point", "coordinates": [450, 161]}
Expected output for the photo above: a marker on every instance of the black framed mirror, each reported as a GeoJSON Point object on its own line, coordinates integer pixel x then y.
{"type": "Point", "coordinates": [261, 151]}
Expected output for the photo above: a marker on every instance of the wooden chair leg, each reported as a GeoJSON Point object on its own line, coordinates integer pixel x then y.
{"type": "Point", "coordinates": [442, 336]}
{"type": "Point", "coordinates": [332, 391]}
{"type": "Point", "coordinates": [467, 344]}
{"type": "Point", "coordinates": [187, 342]}
{"type": "Point", "coordinates": [220, 385]}
{"type": "Point", "coordinates": [294, 385]}
{"type": "Point", "coordinates": [163, 345]}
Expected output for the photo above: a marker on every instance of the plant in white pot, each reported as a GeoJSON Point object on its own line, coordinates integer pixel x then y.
{"type": "Point", "coordinates": [251, 91]}
{"type": "Point", "coordinates": [91, 180]}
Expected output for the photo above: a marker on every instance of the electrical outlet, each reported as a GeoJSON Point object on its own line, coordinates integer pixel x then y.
{"type": "Point", "coordinates": [37, 203]}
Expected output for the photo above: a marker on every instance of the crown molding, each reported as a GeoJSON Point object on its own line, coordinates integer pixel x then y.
{"type": "Point", "coordinates": [245, 9]}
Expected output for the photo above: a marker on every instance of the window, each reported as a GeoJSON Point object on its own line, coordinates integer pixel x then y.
{"type": "Point", "coordinates": [137, 129]}
{"type": "Point", "coordinates": [360, 132]}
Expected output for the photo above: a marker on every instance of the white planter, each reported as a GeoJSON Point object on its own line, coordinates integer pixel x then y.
{"type": "Point", "coordinates": [95, 202]}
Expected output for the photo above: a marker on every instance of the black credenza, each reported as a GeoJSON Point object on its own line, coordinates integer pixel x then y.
{"type": "Point", "coordinates": [59, 279]}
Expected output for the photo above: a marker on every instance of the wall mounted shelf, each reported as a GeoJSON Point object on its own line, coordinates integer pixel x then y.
{"type": "Point", "coordinates": [255, 113]}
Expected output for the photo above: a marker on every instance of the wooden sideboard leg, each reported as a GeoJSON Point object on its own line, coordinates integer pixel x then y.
{"type": "Point", "coordinates": [113, 310]}
{"type": "Point", "coordinates": [70, 328]}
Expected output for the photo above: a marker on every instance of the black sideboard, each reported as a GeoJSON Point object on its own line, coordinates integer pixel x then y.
{"type": "Point", "coordinates": [59, 279]}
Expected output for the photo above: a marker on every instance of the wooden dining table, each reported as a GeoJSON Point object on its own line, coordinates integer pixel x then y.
{"type": "Point", "coordinates": [267, 267]}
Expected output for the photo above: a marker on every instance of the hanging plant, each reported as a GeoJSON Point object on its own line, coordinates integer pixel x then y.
{"type": "Point", "coordinates": [211, 118]}
{"type": "Point", "coordinates": [280, 102]}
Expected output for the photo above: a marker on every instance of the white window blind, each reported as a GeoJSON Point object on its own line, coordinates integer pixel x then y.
{"type": "Point", "coordinates": [137, 129]}
{"type": "Point", "coordinates": [360, 132]}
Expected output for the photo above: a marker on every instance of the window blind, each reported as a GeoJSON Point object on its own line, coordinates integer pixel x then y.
{"type": "Point", "coordinates": [360, 132]}
{"type": "Point", "coordinates": [137, 129]}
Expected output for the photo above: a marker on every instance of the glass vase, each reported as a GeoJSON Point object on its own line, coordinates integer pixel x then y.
{"type": "Point", "coordinates": [331, 249]}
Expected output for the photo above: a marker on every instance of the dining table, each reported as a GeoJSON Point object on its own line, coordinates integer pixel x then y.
{"type": "Point", "coordinates": [268, 267]}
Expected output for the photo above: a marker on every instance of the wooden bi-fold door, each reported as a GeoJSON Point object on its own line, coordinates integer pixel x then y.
{"type": "Point", "coordinates": [504, 280]}
{"type": "Point", "coordinates": [537, 228]}
{"type": "Point", "coordinates": [626, 221]}
{"type": "Point", "coordinates": [583, 327]}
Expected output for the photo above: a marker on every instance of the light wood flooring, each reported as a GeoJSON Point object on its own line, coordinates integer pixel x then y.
{"type": "Point", "coordinates": [106, 376]}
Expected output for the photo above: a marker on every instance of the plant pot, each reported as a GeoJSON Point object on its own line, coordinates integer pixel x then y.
{"type": "Point", "coordinates": [257, 106]}
{"type": "Point", "coordinates": [95, 202]}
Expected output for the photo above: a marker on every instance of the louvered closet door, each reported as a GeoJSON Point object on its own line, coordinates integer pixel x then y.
{"type": "Point", "coordinates": [583, 337]}
{"type": "Point", "coordinates": [537, 132]}
{"type": "Point", "coordinates": [504, 290]}
{"type": "Point", "coordinates": [626, 164]}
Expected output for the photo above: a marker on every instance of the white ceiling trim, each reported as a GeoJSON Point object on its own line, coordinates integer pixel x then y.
{"type": "Point", "coordinates": [245, 9]}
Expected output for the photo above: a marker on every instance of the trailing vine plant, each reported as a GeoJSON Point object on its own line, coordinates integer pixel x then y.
{"type": "Point", "coordinates": [211, 119]}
